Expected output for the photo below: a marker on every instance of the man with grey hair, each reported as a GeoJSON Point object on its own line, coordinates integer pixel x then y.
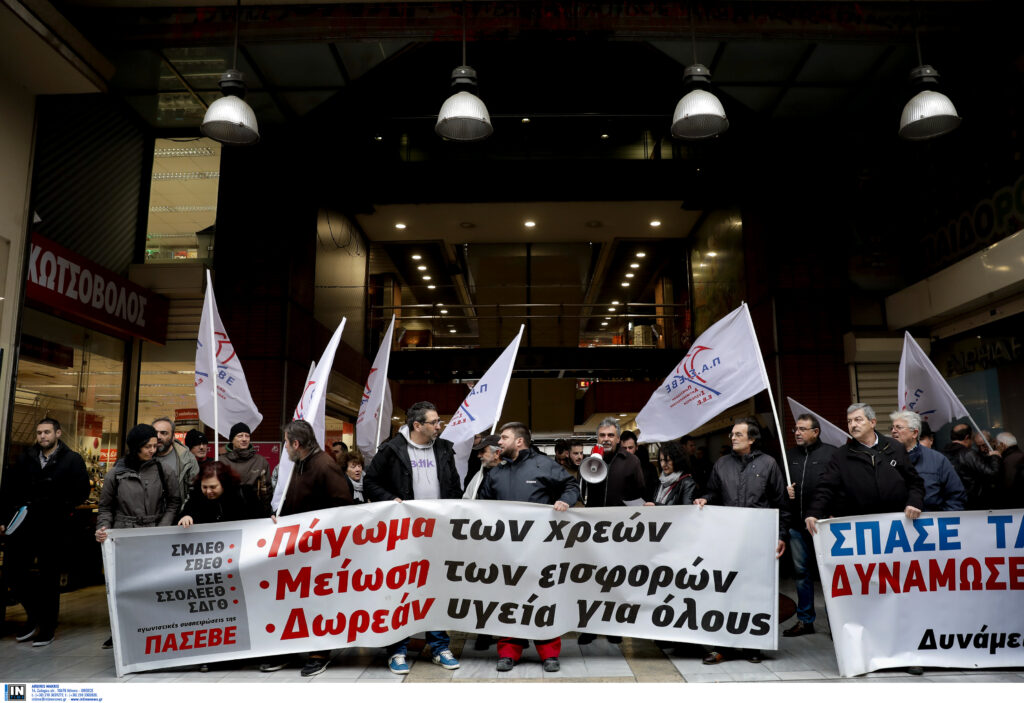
{"type": "Point", "coordinates": [625, 477]}
{"type": "Point", "coordinates": [869, 474]}
{"type": "Point", "coordinates": [175, 458]}
{"type": "Point", "coordinates": [943, 489]}
{"type": "Point", "coordinates": [1013, 470]}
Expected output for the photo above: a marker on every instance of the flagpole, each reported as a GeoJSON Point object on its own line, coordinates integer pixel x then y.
{"type": "Point", "coordinates": [978, 430]}
{"type": "Point", "coordinates": [384, 388]}
{"type": "Point", "coordinates": [213, 367]}
{"type": "Point", "coordinates": [771, 396]}
{"type": "Point", "coordinates": [508, 380]}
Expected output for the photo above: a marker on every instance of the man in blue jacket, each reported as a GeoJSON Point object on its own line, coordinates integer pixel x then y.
{"type": "Point", "coordinates": [533, 477]}
{"type": "Point", "coordinates": [943, 489]}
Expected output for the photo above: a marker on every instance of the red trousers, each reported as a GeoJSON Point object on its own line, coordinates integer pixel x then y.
{"type": "Point", "coordinates": [513, 648]}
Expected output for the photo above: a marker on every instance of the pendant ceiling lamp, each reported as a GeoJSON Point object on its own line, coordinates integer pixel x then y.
{"type": "Point", "coordinates": [928, 114]}
{"type": "Point", "coordinates": [230, 120]}
{"type": "Point", "coordinates": [699, 114]}
{"type": "Point", "coordinates": [463, 116]}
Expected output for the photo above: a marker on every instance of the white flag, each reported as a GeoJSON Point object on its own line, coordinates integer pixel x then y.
{"type": "Point", "coordinates": [923, 390]}
{"type": "Point", "coordinates": [722, 368]}
{"type": "Point", "coordinates": [311, 408]}
{"type": "Point", "coordinates": [481, 409]}
{"type": "Point", "coordinates": [375, 406]}
{"type": "Point", "coordinates": [830, 434]}
{"type": "Point", "coordinates": [216, 359]}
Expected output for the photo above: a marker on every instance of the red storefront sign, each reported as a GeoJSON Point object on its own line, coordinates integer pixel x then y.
{"type": "Point", "coordinates": [185, 414]}
{"type": "Point", "coordinates": [62, 280]}
{"type": "Point", "coordinates": [108, 456]}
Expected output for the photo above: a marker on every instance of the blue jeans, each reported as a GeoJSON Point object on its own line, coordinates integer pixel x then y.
{"type": "Point", "coordinates": [437, 639]}
{"type": "Point", "coordinates": [804, 564]}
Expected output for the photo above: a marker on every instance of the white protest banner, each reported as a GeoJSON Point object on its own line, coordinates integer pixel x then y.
{"type": "Point", "coordinates": [226, 401]}
{"type": "Point", "coordinates": [375, 405]}
{"type": "Point", "coordinates": [369, 575]}
{"type": "Point", "coordinates": [481, 409]}
{"type": "Point", "coordinates": [311, 408]}
{"type": "Point", "coordinates": [830, 434]}
{"type": "Point", "coordinates": [722, 368]}
{"type": "Point", "coordinates": [942, 591]}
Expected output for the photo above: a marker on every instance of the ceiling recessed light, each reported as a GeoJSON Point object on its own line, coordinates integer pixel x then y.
{"type": "Point", "coordinates": [604, 136]}
{"type": "Point", "coordinates": [452, 331]}
{"type": "Point", "coordinates": [634, 265]}
{"type": "Point", "coordinates": [526, 120]}
{"type": "Point", "coordinates": [443, 311]}
{"type": "Point", "coordinates": [399, 225]}
{"type": "Point", "coordinates": [655, 223]}
{"type": "Point", "coordinates": [640, 254]}
{"type": "Point", "coordinates": [416, 257]}
{"type": "Point", "coordinates": [712, 254]}
{"type": "Point", "coordinates": [625, 284]}
{"type": "Point", "coordinates": [622, 414]}
{"type": "Point", "coordinates": [703, 265]}
{"type": "Point", "coordinates": [378, 138]}
{"type": "Point", "coordinates": [629, 275]}
{"type": "Point", "coordinates": [529, 223]}
{"type": "Point", "coordinates": [394, 417]}
{"type": "Point", "coordinates": [431, 287]}
{"type": "Point", "coordinates": [467, 225]}
{"type": "Point", "coordinates": [611, 309]}
{"type": "Point", "coordinates": [615, 302]}
{"type": "Point", "coordinates": [607, 318]}
{"type": "Point", "coordinates": [421, 268]}
{"type": "Point", "coordinates": [604, 324]}
{"type": "Point", "coordinates": [427, 278]}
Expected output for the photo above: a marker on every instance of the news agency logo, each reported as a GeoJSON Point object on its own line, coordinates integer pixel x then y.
{"type": "Point", "coordinates": [15, 692]}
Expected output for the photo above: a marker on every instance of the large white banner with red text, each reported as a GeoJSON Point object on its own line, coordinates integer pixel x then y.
{"type": "Point", "coordinates": [369, 575]}
{"type": "Point", "coordinates": [945, 590]}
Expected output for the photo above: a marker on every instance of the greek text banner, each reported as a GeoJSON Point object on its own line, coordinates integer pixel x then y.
{"type": "Point", "coordinates": [372, 574]}
{"type": "Point", "coordinates": [944, 590]}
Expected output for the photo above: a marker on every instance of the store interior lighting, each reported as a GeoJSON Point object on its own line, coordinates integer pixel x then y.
{"type": "Point", "coordinates": [230, 120]}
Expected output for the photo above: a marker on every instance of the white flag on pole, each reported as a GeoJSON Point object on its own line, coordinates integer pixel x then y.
{"type": "Point", "coordinates": [923, 390]}
{"type": "Point", "coordinates": [722, 368]}
{"type": "Point", "coordinates": [375, 406]}
{"type": "Point", "coordinates": [481, 409]}
{"type": "Point", "coordinates": [213, 348]}
{"type": "Point", "coordinates": [311, 408]}
{"type": "Point", "coordinates": [830, 434]}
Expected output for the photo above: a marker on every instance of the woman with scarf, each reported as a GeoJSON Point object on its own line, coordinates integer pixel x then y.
{"type": "Point", "coordinates": [676, 485]}
{"type": "Point", "coordinates": [354, 474]}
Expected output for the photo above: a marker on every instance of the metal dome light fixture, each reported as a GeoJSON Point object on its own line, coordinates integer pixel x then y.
{"type": "Point", "coordinates": [699, 114]}
{"type": "Point", "coordinates": [463, 116]}
{"type": "Point", "coordinates": [230, 120]}
{"type": "Point", "coordinates": [928, 114]}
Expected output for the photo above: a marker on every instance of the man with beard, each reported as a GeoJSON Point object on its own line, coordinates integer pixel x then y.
{"type": "Point", "coordinates": [178, 463]}
{"type": "Point", "coordinates": [48, 480]}
{"type": "Point", "coordinates": [625, 480]}
{"type": "Point", "coordinates": [247, 463]}
{"type": "Point", "coordinates": [532, 477]}
{"type": "Point", "coordinates": [416, 464]}
{"type": "Point", "coordinates": [317, 483]}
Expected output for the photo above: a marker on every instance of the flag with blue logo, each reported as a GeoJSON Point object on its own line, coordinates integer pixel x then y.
{"type": "Point", "coordinates": [923, 390]}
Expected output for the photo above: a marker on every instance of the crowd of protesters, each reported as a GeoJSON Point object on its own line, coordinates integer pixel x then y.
{"type": "Point", "coordinates": [159, 481]}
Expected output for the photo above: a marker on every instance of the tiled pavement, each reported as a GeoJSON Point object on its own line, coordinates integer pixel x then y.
{"type": "Point", "coordinates": [75, 656]}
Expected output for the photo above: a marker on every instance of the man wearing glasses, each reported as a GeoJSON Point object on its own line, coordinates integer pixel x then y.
{"type": "Point", "coordinates": [943, 489]}
{"type": "Point", "coordinates": [807, 461]}
{"type": "Point", "coordinates": [747, 478]}
{"type": "Point", "coordinates": [416, 464]}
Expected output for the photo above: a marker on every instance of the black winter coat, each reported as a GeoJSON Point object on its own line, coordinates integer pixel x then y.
{"type": "Point", "coordinates": [389, 475]}
{"type": "Point", "coordinates": [753, 480]}
{"type": "Point", "coordinates": [862, 481]}
{"type": "Point", "coordinates": [625, 481]}
{"type": "Point", "coordinates": [240, 503]}
{"type": "Point", "coordinates": [51, 494]}
{"type": "Point", "coordinates": [533, 477]}
{"type": "Point", "coordinates": [806, 465]}
{"type": "Point", "coordinates": [683, 491]}
{"type": "Point", "coordinates": [978, 473]}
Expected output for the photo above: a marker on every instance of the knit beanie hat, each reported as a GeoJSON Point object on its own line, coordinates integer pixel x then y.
{"type": "Point", "coordinates": [193, 438]}
{"type": "Point", "coordinates": [137, 438]}
{"type": "Point", "coordinates": [236, 428]}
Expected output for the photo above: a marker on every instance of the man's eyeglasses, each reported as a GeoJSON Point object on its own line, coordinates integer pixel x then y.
{"type": "Point", "coordinates": [737, 435]}
{"type": "Point", "coordinates": [436, 422]}
{"type": "Point", "coordinates": [899, 428]}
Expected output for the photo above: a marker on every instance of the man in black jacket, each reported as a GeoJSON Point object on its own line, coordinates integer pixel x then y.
{"type": "Point", "coordinates": [978, 472]}
{"type": "Point", "coordinates": [49, 480]}
{"type": "Point", "coordinates": [532, 477]}
{"type": "Point", "coordinates": [625, 480]}
{"type": "Point", "coordinates": [747, 478]}
{"type": "Point", "coordinates": [415, 464]}
{"type": "Point", "coordinates": [807, 461]}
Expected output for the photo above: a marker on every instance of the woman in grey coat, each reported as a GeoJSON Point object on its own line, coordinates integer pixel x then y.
{"type": "Point", "coordinates": [136, 492]}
